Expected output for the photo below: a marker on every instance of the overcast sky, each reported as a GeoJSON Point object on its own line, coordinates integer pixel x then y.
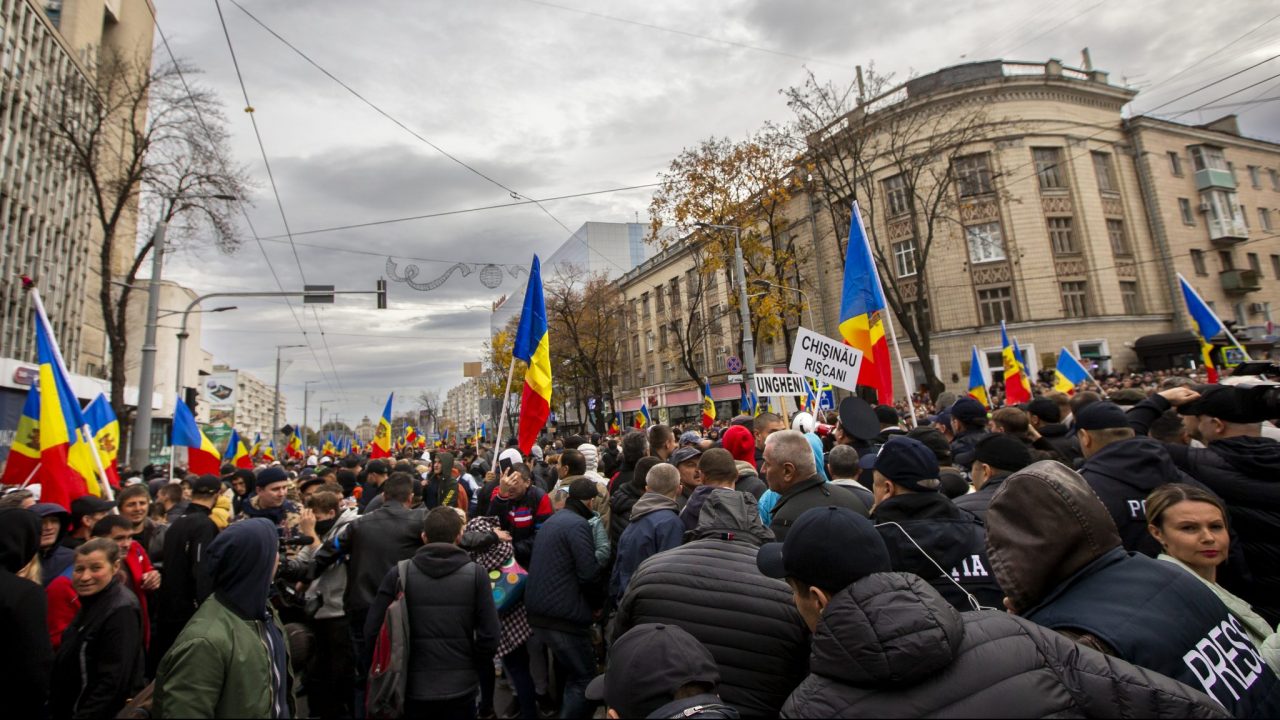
{"type": "Point", "coordinates": [569, 97]}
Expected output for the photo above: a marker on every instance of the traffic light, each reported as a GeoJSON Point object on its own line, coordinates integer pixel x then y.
{"type": "Point", "coordinates": [191, 397]}
{"type": "Point", "coordinates": [382, 294]}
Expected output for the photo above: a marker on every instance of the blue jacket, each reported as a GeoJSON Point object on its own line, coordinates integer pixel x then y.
{"type": "Point", "coordinates": [654, 527]}
{"type": "Point", "coordinates": [564, 558]}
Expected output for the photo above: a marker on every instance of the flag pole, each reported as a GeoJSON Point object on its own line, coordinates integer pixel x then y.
{"type": "Point", "coordinates": [90, 440]}
{"type": "Point", "coordinates": [506, 396]}
{"type": "Point", "coordinates": [1225, 329]}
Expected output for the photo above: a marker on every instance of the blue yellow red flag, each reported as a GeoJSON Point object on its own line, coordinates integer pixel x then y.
{"type": "Point", "coordinates": [642, 417]}
{"type": "Point", "coordinates": [533, 346]}
{"type": "Point", "coordinates": [24, 454]}
{"type": "Point", "coordinates": [269, 451]}
{"type": "Point", "coordinates": [66, 460]}
{"type": "Point", "coordinates": [381, 445]}
{"type": "Point", "coordinates": [106, 434]}
{"type": "Point", "coordinates": [1068, 373]}
{"type": "Point", "coordinates": [203, 457]}
{"type": "Point", "coordinates": [1017, 387]}
{"type": "Point", "coordinates": [708, 406]}
{"type": "Point", "coordinates": [862, 309]}
{"type": "Point", "coordinates": [977, 383]}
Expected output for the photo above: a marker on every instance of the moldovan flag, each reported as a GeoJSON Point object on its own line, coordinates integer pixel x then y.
{"type": "Point", "coordinates": [977, 383]}
{"type": "Point", "coordinates": [1069, 373]}
{"type": "Point", "coordinates": [202, 455]}
{"type": "Point", "coordinates": [1017, 386]}
{"type": "Point", "coordinates": [862, 308]}
{"type": "Point", "coordinates": [533, 345]}
{"type": "Point", "coordinates": [1208, 325]}
{"type": "Point", "coordinates": [24, 453]}
{"type": "Point", "coordinates": [381, 445]}
{"type": "Point", "coordinates": [106, 433]}
{"type": "Point", "coordinates": [708, 406]}
{"type": "Point", "coordinates": [294, 449]}
{"type": "Point", "coordinates": [330, 448]}
{"type": "Point", "coordinates": [66, 462]}
{"type": "Point", "coordinates": [642, 416]}
{"type": "Point", "coordinates": [269, 452]}
{"type": "Point", "coordinates": [237, 454]}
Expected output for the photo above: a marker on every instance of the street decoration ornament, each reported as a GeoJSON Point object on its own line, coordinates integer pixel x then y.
{"type": "Point", "coordinates": [490, 274]}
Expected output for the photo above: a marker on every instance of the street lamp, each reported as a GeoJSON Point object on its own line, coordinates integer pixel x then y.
{"type": "Point", "coordinates": [275, 405]}
{"type": "Point", "coordinates": [306, 397]}
{"type": "Point", "coordinates": [748, 342]}
{"type": "Point", "coordinates": [140, 451]}
{"type": "Point", "coordinates": [224, 308]}
{"type": "Point", "coordinates": [762, 283]}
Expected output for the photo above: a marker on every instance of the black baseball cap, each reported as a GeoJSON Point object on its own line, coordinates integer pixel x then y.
{"type": "Point", "coordinates": [1045, 409]}
{"type": "Point", "coordinates": [310, 480]}
{"type": "Point", "coordinates": [807, 556]}
{"type": "Point", "coordinates": [89, 505]}
{"type": "Point", "coordinates": [1003, 451]}
{"type": "Point", "coordinates": [887, 415]}
{"type": "Point", "coordinates": [684, 455]}
{"type": "Point", "coordinates": [647, 665]}
{"type": "Point", "coordinates": [1101, 415]}
{"type": "Point", "coordinates": [206, 485]}
{"type": "Point", "coordinates": [377, 467]}
{"type": "Point", "coordinates": [968, 411]}
{"type": "Point", "coordinates": [858, 419]}
{"type": "Point", "coordinates": [907, 462]}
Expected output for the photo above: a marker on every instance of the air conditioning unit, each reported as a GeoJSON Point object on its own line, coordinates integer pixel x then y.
{"type": "Point", "coordinates": [1204, 207]}
{"type": "Point", "coordinates": [1257, 308]}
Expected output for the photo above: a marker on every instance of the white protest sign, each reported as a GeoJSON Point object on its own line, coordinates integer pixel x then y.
{"type": "Point", "coordinates": [777, 385]}
{"type": "Point", "coordinates": [825, 360]}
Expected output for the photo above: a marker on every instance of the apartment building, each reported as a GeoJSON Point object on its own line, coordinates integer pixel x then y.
{"type": "Point", "coordinates": [462, 406]}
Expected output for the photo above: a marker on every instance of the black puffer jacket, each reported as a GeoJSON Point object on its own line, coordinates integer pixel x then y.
{"type": "Point", "coordinates": [99, 665]}
{"type": "Point", "coordinates": [372, 545]}
{"type": "Point", "coordinates": [621, 502]}
{"type": "Point", "coordinates": [1123, 474]}
{"type": "Point", "coordinates": [890, 646]}
{"type": "Point", "coordinates": [711, 588]}
{"type": "Point", "coordinates": [28, 657]}
{"type": "Point", "coordinates": [564, 561]}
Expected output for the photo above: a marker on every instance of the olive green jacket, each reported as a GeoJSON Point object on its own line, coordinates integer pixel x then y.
{"type": "Point", "coordinates": [217, 668]}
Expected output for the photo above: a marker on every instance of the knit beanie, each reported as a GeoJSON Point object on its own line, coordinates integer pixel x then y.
{"type": "Point", "coordinates": [740, 443]}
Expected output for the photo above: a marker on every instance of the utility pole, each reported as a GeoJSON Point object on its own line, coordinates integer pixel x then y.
{"type": "Point", "coordinates": [275, 404]}
{"type": "Point", "coordinates": [740, 275]}
{"type": "Point", "coordinates": [306, 398]}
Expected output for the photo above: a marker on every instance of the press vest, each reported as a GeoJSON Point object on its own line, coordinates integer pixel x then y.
{"type": "Point", "coordinates": [1163, 619]}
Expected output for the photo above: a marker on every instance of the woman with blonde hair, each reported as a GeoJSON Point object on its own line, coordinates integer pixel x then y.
{"type": "Point", "coordinates": [1190, 523]}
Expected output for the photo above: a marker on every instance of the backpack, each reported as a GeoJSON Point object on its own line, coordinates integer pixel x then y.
{"type": "Point", "coordinates": [389, 672]}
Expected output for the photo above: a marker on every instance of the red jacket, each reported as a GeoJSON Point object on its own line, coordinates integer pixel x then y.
{"type": "Point", "coordinates": [138, 564]}
{"type": "Point", "coordinates": [63, 606]}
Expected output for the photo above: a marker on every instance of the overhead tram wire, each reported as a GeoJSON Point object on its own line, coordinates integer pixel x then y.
{"type": "Point", "coordinates": [243, 211]}
{"type": "Point", "coordinates": [1255, 28]}
{"type": "Point", "coordinates": [510, 191]}
{"type": "Point", "coordinates": [1233, 92]}
{"type": "Point", "coordinates": [1069, 20]}
{"type": "Point", "coordinates": [266, 161]}
{"type": "Point", "coordinates": [1209, 85]}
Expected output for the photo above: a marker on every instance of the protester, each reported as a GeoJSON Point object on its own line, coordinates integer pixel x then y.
{"type": "Point", "coordinates": [1045, 415]}
{"type": "Point", "coordinates": [27, 661]}
{"type": "Point", "coordinates": [573, 465]}
{"type": "Point", "coordinates": [443, 487]}
{"type": "Point", "coordinates": [655, 527]}
{"type": "Point", "coordinates": [172, 501]}
{"type": "Point", "coordinates": [954, 482]}
{"type": "Point", "coordinates": [231, 660]}
{"type": "Point", "coordinates": [843, 469]}
{"type": "Point", "coordinates": [660, 671]}
{"type": "Point", "coordinates": [791, 472]}
{"type": "Point", "coordinates": [925, 533]}
{"type": "Point", "coordinates": [740, 443]}
{"type": "Point", "coordinates": [85, 511]}
{"type": "Point", "coordinates": [968, 423]}
{"type": "Point", "coordinates": [136, 568]}
{"type": "Point", "coordinates": [886, 644]}
{"type": "Point", "coordinates": [662, 442]}
{"type": "Point", "coordinates": [100, 664]}
{"type": "Point", "coordinates": [375, 473]}
{"type": "Point", "coordinates": [996, 457]}
{"type": "Point", "coordinates": [521, 509]}
{"type": "Point", "coordinates": [1190, 525]}
{"type": "Point", "coordinates": [55, 558]}
{"type": "Point", "coordinates": [711, 589]}
{"type": "Point", "coordinates": [625, 495]}
{"type": "Point", "coordinates": [764, 425]}
{"type": "Point", "coordinates": [242, 483]}
{"type": "Point", "coordinates": [1056, 552]}
{"type": "Point", "coordinates": [186, 579]}
{"type": "Point", "coordinates": [686, 461]}
{"type": "Point", "coordinates": [559, 612]}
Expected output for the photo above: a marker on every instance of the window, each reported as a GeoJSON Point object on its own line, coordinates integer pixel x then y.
{"type": "Point", "coordinates": [985, 243]}
{"type": "Point", "coordinates": [1255, 264]}
{"type": "Point", "coordinates": [1074, 298]}
{"type": "Point", "coordinates": [996, 304]}
{"type": "Point", "coordinates": [1094, 354]}
{"type": "Point", "coordinates": [644, 303]}
{"type": "Point", "coordinates": [1197, 261]}
{"type": "Point", "coordinates": [1106, 172]}
{"type": "Point", "coordinates": [662, 337]}
{"type": "Point", "coordinates": [635, 349]}
{"type": "Point", "coordinates": [1275, 266]}
{"type": "Point", "coordinates": [675, 292]}
{"type": "Point", "coordinates": [1129, 297]}
{"type": "Point", "coordinates": [1244, 215]}
{"type": "Point", "coordinates": [904, 257]}
{"type": "Point", "coordinates": [1061, 237]}
{"type": "Point", "coordinates": [1119, 240]}
{"type": "Point", "coordinates": [1205, 157]}
{"type": "Point", "coordinates": [660, 298]}
{"type": "Point", "coordinates": [649, 338]}
{"type": "Point", "coordinates": [895, 194]}
{"type": "Point", "coordinates": [1227, 259]}
{"type": "Point", "coordinates": [1275, 180]}
{"type": "Point", "coordinates": [711, 281]}
{"type": "Point", "coordinates": [973, 175]}
{"type": "Point", "coordinates": [1048, 167]}
{"type": "Point", "coordinates": [1175, 163]}
{"type": "Point", "coordinates": [715, 327]}
{"type": "Point", "coordinates": [910, 309]}
{"type": "Point", "coordinates": [1264, 218]}
{"type": "Point", "coordinates": [652, 376]}
{"type": "Point", "coordinates": [1255, 177]}
{"type": "Point", "coordinates": [1184, 207]}
{"type": "Point", "coordinates": [635, 310]}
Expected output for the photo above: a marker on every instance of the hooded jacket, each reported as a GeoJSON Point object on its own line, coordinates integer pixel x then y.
{"type": "Point", "coordinates": [622, 500]}
{"type": "Point", "coordinates": [655, 527]}
{"type": "Point", "coordinates": [1242, 471]}
{"type": "Point", "coordinates": [977, 501]}
{"type": "Point", "coordinates": [186, 583]}
{"type": "Point", "coordinates": [453, 625]}
{"type": "Point", "coordinates": [890, 646]}
{"type": "Point", "coordinates": [712, 588]}
{"type": "Point", "coordinates": [1062, 440]}
{"type": "Point", "coordinates": [749, 480]}
{"type": "Point", "coordinates": [231, 660]}
{"type": "Point", "coordinates": [443, 488]}
{"type": "Point", "coordinates": [371, 545]}
{"type": "Point", "coordinates": [100, 663]}
{"type": "Point", "coordinates": [1123, 474]}
{"type": "Point", "coordinates": [1057, 554]}
{"type": "Point", "coordinates": [57, 560]}
{"type": "Point", "coordinates": [328, 589]}
{"type": "Point", "coordinates": [27, 661]}
{"type": "Point", "coordinates": [953, 538]}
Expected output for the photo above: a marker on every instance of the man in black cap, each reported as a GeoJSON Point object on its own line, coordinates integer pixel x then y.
{"type": "Point", "coordinates": [792, 471]}
{"type": "Point", "coordinates": [886, 644]}
{"type": "Point", "coordinates": [997, 457]}
{"type": "Point", "coordinates": [560, 613]}
{"type": "Point", "coordinates": [85, 511]}
{"type": "Point", "coordinates": [890, 423]}
{"type": "Point", "coordinates": [955, 483]}
{"type": "Point", "coordinates": [1240, 466]}
{"type": "Point", "coordinates": [686, 461]}
{"type": "Point", "coordinates": [186, 582]}
{"type": "Point", "coordinates": [968, 426]}
{"type": "Point", "coordinates": [660, 671]}
{"type": "Point", "coordinates": [1046, 417]}
{"type": "Point", "coordinates": [272, 502]}
{"type": "Point", "coordinates": [926, 533]}
{"type": "Point", "coordinates": [376, 473]}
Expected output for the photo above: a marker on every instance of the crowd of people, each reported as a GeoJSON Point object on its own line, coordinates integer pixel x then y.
{"type": "Point", "coordinates": [1111, 553]}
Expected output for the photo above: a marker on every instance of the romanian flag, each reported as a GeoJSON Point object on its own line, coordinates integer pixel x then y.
{"type": "Point", "coordinates": [708, 406]}
{"type": "Point", "coordinates": [615, 425]}
{"type": "Point", "coordinates": [642, 416]}
{"type": "Point", "coordinates": [862, 308]}
{"type": "Point", "coordinates": [256, 450]}
{"type": "Point", "coordinates": [533, 345]}
{"type": "Point", "coordinates": [24, 453]}
{"type": "Point", "coordinates": [269, 452]}
{"type": "Point", "coordinates": [1017, 386]}
{"type": "Point", "coordinates": [1069, 373]}
{"type": "Point", "coordinates": [203, 457]}
{"type": "Point", "coordinates": [66, 460]}
{"type": "Point", "coordinates": [381, 446]}
{"type": "Point", "coordinates": [295, 446]}
{"type": "Point", "coordinates": [237, 454]}
{"type": "Point", "coordinates": [977, 383]}
{"type": "Point", "coordinates": [330, 448]}
{"type": "Point", "coordinates": [410, 436]}
{"type": "Point", "coordinates": [106, 433]}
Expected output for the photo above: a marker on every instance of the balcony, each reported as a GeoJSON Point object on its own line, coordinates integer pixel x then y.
{"type": "Point", "coordinates": [1211, 178]}
{"type": "Point", "coordinates": [1238, 282]}
{"type": "Point", "coordinates": [1226, 232]}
